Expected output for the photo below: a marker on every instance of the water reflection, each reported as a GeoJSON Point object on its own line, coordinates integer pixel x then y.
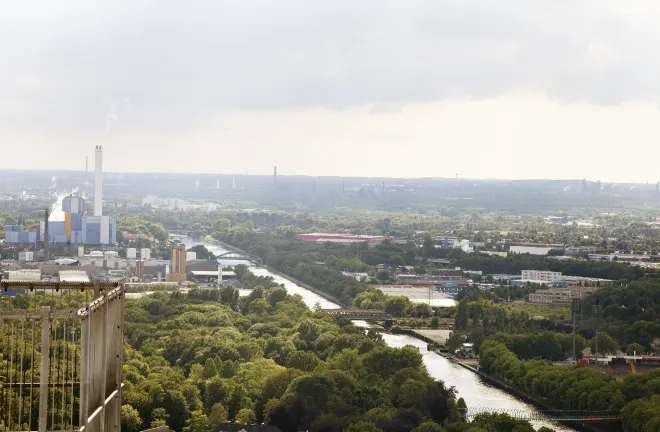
{"type": "Point", "coordinates": [473, 389]}
{"type": "Point", "coordinates": [309, 297]}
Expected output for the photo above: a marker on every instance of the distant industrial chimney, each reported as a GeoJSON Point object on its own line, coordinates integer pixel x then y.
{"type": "Point", "coordinates": [46, 238]}
{"type": "Point", "coordinates": [86, 164]}
{"type": "Point", "coordinates": [275, 174]}
{"type": "Point", "coordinates": [98, 182]}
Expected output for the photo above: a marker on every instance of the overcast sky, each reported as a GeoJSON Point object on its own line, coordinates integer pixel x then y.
{"type": "Point", "coordinates": [400, 88]}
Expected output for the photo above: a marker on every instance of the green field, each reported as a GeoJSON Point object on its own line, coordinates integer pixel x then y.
{"type": "Point", "coordinates": [551, 312]}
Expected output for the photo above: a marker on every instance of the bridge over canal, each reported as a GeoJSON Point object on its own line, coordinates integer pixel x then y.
{"type": "Point", "coordinates": [556, 416]}
{"type": "Point", "coordinates": [235, 256]}
{"type": "Point", "coordinates": [360, 314]}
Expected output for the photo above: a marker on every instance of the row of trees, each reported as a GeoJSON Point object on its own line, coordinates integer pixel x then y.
{"type": "Point", "coordinates": [579, 388]}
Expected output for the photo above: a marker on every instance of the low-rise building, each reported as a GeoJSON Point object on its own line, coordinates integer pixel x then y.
{"type": "Point", "coordinates": [560, 296]}
{"type": "Point", "coordinates": [543, 275]}
{"type": "Point", "coordinates": [523, 282]}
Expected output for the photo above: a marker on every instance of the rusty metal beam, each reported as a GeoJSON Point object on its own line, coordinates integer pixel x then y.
{"type": "Point", "coordinates": [46, 285]}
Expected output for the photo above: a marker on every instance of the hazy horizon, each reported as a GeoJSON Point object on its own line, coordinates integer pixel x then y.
{"type": "Point", "coordinates": [284, 175]}
{"type": "Point", "coordinates": [376, 88]}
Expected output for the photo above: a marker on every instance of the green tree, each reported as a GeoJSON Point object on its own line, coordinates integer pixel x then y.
{"type": "Point", "coordinates": [158, 418]}
{"type": "Point", "coordinates": [605, 344]}
{"type": "Point", "coordinates": [245, 416]}
{"type": "Point", "coordinates": [209, 369]}
{"type": "Point", "coordinates": [397, 305]}
{"type": "Point", "coordinates": [130, 419]}
{"type": "Point", "coordinates": [363, 426]}
{"type": "Point", "coordinates": [634, 348]}
{"type": "Point", "coordinates": [429, 427]}
{"type": "Point", "coordinates": [218, 414]}
{"type": "Point", "coordinates": [198, 422]}
{"type": "Point", "coordinates": [302, 360]}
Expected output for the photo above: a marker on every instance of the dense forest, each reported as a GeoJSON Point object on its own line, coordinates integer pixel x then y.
{"type": "Point", "coordinates": [209, 356]}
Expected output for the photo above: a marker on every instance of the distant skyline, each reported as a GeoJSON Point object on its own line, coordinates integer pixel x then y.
{"type": "Point", "coordinates": [422, 88]}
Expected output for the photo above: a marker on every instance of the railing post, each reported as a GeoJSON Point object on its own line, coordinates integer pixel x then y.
{"type": "Point", "coordinates": [104, 359]}
{"type": "Point", "coordinates": [84, 367]}
{"type": "Point", "coordinates": [43, 382]}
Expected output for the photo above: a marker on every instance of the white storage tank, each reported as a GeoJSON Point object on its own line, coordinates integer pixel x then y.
{"type": "Point", "coordinates": [131, 253]}
{"type": "Point", "coordinates": [145, 253]}
{"type": "Point", "coordinates": [191, 256]}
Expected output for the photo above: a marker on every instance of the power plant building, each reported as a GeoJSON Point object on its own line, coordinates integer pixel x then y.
{"type": "Point", "coordinates": [76, 228]}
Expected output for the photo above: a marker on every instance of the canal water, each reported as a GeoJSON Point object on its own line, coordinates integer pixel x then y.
{"type": "Point", "coordinates": [476, 392]}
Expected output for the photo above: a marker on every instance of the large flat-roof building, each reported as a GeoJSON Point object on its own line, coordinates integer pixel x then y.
{"type": "Point", "coordinates": [342, 238]}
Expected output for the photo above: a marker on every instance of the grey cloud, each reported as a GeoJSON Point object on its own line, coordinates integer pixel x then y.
{"type": "Point", "coordinates": [182, 61]}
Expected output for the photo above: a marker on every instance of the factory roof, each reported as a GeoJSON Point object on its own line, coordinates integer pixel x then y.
{"type": "Point", "coordinates": [24, 275]}
{"type": "Point", "coordinates": [212, 273]}
{"type": "Point", "coordinates": [73, 276]}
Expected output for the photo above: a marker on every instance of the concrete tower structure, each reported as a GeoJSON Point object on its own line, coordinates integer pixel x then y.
{"type": "Point", "coordinates": [98, 182]}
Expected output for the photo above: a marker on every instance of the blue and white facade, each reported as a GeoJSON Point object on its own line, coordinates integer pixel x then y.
{"type": "Point", "coordinates": [99, 230]}
{"type": "Point", "coordinates": [14, 234]}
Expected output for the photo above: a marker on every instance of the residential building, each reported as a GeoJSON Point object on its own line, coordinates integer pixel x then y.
{"type": "Point", "coordinates": [560, 296]}
{"type": "Point", "coordinates": [543, 275]}
{"type": "Point", "coordinates": [522, 282]}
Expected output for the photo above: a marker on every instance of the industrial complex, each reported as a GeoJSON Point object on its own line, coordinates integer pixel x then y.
{"type": "Point", "coordinates": [77, 227]}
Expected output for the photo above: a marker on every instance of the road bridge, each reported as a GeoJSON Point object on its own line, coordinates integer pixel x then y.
{"type": "Point", "coordinates": [359, 314]}
{"type": "Point", "coordinates": [235, 256]}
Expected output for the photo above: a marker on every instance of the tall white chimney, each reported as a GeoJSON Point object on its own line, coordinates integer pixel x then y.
{"type": "Point", "coordinates": [98, 182]}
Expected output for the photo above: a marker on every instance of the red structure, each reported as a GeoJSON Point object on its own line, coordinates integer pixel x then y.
{"type": "Point", "coordinates": [342, 238]}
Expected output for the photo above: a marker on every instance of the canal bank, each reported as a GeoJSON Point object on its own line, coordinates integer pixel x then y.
{"type": "Point", "coordinates": [316, 291]}
{"type": "Point", "coordinates": [477, 391]}
{"type": "Point", "coordinates": [547, 408]}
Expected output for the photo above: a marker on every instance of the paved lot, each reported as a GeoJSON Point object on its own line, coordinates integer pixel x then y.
{"type": "Point", "coordinates": [418, 295]}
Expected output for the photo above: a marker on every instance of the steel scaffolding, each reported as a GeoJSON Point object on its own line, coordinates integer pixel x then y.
{"type": "Point", "coordinates": [61, 368]}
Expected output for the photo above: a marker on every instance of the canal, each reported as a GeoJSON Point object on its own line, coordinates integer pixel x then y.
{"type": "Point", "coordinates": [476, 392]}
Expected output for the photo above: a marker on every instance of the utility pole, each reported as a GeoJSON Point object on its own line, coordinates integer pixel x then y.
{"type": "Point", "coordinates": [574, 309]}
{"type": "Point", "coordinates": [596, 314]}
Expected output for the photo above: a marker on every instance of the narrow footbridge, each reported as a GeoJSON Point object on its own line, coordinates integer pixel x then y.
{"type": "Point", "coordinates": [540, 415]}
{"type": "Point", "coordinates": [359, 314]}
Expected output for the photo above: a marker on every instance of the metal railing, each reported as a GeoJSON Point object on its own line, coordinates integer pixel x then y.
{"type": "Point", "coordinates": [61, 368]}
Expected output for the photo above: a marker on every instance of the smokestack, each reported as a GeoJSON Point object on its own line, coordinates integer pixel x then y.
{"type": "Point", "coordinates": [46, 239]}
{"type": "Point", "coordinates": [86, 164]}
{"type": "Point", "coordinates": [98, 182]}
{"type": "Point", "coordinates": [275, 174]}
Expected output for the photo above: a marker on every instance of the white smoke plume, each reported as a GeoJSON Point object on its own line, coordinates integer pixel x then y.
{"type": "Point", "coordinates": [112, 117]}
